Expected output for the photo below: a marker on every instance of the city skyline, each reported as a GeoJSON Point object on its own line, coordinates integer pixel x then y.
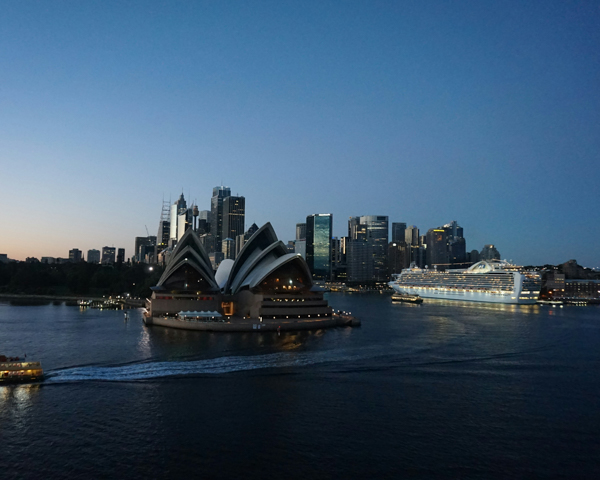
{"type": "Point", "coordinates": [482, 113]}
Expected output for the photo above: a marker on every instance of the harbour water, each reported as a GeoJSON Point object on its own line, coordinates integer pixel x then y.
{"type": "Point", "coordinates": [438, 390]}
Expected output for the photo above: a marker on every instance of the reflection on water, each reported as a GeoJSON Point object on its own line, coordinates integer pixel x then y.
{"type": "Point", "coordinates": [20, 395]}
{"type": "Point", "coordinates": [484, 307]}
{"type": "Point", "coordinates": [144, 345]}
{"type": "Point", "coordinates": [444, 327]}
{"type": "Point", "coordinates": [17, 402]}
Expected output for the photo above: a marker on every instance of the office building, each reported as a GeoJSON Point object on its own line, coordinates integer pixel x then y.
{"type": "Point", "coordinates": [228, 248]}
{"type": "Point", "coordinates": [399, 232]}
{"type": "Point", "coordinates": [489, 252]}
{"type": "Point", "coordinates": [179, 207]}
{"type": "Point", "coordinates": [457, 247]}
{"type": "Point", "coordinates": [216, 212]}
{"type": "Point", "coordinates": [108, 255]}
{"type": "Point", "coordinates": [300, 248]}
{"type": "Point", "coordinates": [446, 247]}
{"type": "Point", "coordinates": [318, 245]}
{"type": "Point", "coordinates": [398, 257]}
{"type": "Point", "coordinates": [301, 231]}
{"type": "Point", "coordinates": [473, 256]}
{"type": "Point", "coordinates": [184, 221]}
{"type": "Point", "coordinates": [121, 256]}
{"type": "Point", "coordinates": [367, 249]}
{"type": "Point", "coordinates": [234, 214]}
{"type": "Point", "coordinates": [75, 255]}
{"type": "Point", "coordinates": [291, 246]}
{"type": "Point", "coordinates": [164, 230]}
{"type": "Point", "coordinates": [93, 256]}
{"type": "Point", "coordinates": [338, 259]}
{"type": "Point", "coordinates": [437, 248]}
{"type": "Point", "coordinates": [203, 225]}
{"type": "Point", "coordinates": [144, 249]}
{"type": "Point", "coordinates": [208, 242]}
{"type": "Point", "coordinates": [411, 235]}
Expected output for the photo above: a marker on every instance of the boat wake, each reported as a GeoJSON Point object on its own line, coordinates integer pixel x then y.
{"type": "Point", "coordinates": [213, 366]}
{"type": "Point", "coordinates": [340, 361]}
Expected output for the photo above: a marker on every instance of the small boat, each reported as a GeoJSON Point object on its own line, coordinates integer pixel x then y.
{"type": "Point", "coordinates": [550, 302]}
{"type": "Point", "coordinates": [401, 297]}
{"type": "Point", "coordinates": [16, 370]}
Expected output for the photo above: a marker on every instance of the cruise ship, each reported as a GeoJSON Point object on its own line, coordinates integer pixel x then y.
{"type": "Point", "coordinates": [494, 281]}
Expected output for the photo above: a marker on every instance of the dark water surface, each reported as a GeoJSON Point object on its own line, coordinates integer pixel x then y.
{"type": "Point", "coordinates": [440, 390]}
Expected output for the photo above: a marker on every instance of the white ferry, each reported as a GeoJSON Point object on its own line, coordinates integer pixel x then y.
{"type": "Point", "coordinates": [492, 281]}
{"type": "Point", "coordinates": [15, 370]}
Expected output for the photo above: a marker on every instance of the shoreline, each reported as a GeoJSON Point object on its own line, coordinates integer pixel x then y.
{"type": "Point", "coordinates": [47, 299]}
{"type": "Point", "coordinates": [236, 324]}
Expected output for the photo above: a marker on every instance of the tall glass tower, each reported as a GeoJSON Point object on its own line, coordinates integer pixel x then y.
{"type": "Point", "coordinates": [216, 210]}
{"type": "Point", "coordinates": [398, 232]}
{"type": "Point", "coordinates": [234, 213]}
{"type": "Point", "coordinates": [318, 245]}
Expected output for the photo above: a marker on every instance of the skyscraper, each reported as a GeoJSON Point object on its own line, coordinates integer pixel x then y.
{"type": "Point", "coordinates": [144, 249]}
{"type": "Point", "coordinates": [300, 247]}
{"type": "Point", "coordinates": [301, 231]}
{"type": "Point", "coordinates": [338, 259]}
{"type": "Point", "coordinates": [398, 232]}
{"type": "Point", "coordinates": [398, 257]}
{"type": "Point", "coordinates": [318, 245]}
{"type": "Point", "coordinates": [184, 221]}
{"type": "Point", "coordinates": [368, 245]}
{"type": "Point", "coordinates": [234, 214]}
{"type": "Point", "coordinates": [437, 248]}
{"type": "Point", "coordinates": [457, 248]}
{"type": "Point", "coordinates": [446, 246]}
{"type": "Point", "coordinates": [411, 236]}
{"type": "Point", "coordinates": [93, 256]}
{"type": "Point", "coordinates": [108, 255]}
{"type": "Point", "coordinates": [177, 208]}
{"type": "Point", "coordinates": [216, 210]}
{"type": "Point", "coordinates": [164, 230]}
{"type": "Point", "coordinates": [489, 252]}
{"type": "Point", "coordinates": [203, 222]}
{"type": "Point", "coordinates": [75, 255]}
{"type": "Point", "coordinates": [228, 248]}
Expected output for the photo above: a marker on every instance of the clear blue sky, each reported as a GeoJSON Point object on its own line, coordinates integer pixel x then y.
{"type": "Point", "coordinates": [483, 112]}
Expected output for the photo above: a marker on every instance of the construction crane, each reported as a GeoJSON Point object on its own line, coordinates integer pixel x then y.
{"type": "Point", "coordinates": [147, 232]}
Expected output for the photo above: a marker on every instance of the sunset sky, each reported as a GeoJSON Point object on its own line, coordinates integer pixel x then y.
{"type": "Point", "coordinates": [483, 112]}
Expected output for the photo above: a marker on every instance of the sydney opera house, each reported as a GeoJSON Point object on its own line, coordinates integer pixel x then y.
{"type": "Point", "coordinates": [265, 288]}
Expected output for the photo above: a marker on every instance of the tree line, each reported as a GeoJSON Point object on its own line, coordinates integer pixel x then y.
{"type": "Point", "coordinates": [78, 279]}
